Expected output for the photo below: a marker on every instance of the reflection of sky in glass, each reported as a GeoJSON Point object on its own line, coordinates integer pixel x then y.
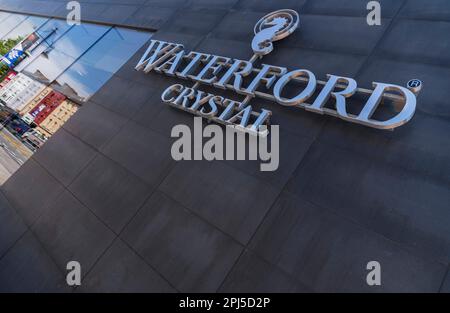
{"type": "Point", "coordinates": [3, 16]}
{"type": "Point", "coordinates": [82, 80]}
{"type": "Point", "coordinates": [10, 23]}
{"type": "Point", "coordinates": [47, 67]}
{"type": "Point", "coordinates": [112, 50]}
{"type": "Point", "coordinates": [56, 27]}
{"type": "Point", "coordinates": [80, 38]}
{"type": "Point", "coordinates": [51, 32]}
{"type": "Point", "coordinates": [65, 51]}
{"type": "Point", "coordinates": [95, 67]}
{"type": "Point", "coordinates": [25, 28]}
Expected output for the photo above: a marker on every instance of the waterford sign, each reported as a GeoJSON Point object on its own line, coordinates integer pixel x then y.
{"type": "Point", "coordinates": [268, 82]}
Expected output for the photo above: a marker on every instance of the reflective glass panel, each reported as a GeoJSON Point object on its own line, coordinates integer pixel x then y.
{"type": "Point", "coordinates": [53, 30]}
{"type": "Point", "coordinates": [27, 27]}
{"type": "Point", "coordinates": [95, 67]}
{"type": "Point", "coordinates": [9, 23]}
{"type": "Point", "coordinates": [78, 39]}
{"type": "Point", "coordinates": [50, 32]}
{"type": "Point", "coordinates": [58, 57]}
{"type": "Point", "coordinates": [3, 16]}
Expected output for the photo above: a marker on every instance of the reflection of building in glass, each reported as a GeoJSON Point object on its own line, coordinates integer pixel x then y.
{"type": "Point", "coordinates": [47, 105]}
{"type": "Point", "coordinates": [26, 95]}
{"type": "Point", "coordinates": [50, 32]}
{"type": "Point", "coordinates": [33, 102]}
{"type": "Point", "coordinates": [10, 75]}
{"type": "Point", "coordinates": [62, 67]}
{"type": "Point", "coordinates": [77, 58]}
{"type": "Point", "coordinates": [25, 28]}
{"type": "Point", "coordinates": [68, 91]}
{"type": "Point", "coordinates": [58, 117]}
{"type": "Point", "coordinates": [48, 110]}
{"type": "Point", "coordinates": [39, 76]}
{"type": "Point", "coordinates": [19, 84]}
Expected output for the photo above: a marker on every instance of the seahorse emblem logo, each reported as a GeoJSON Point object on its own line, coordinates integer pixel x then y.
{"type": "Point", "coordinates": [272, 27]}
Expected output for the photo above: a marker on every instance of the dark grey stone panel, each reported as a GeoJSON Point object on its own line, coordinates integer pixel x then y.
{"type": "Point", "coordinates": [110, 191]}
{"type": "Point", "coordinates": [94, 124]}
{"type": "Point", "coordinates": [143, 152]}
{"type": "Point", "coordinates": [48, 8]}
{"type": "Point", "coordinates": [410, 147]}
{"type": "Point", "coordinates": [152, 17]}
{"type": "Point", "coordinates": [12, 225]}
{"type": "Point", "coordinates": [417, 41]}
{"type": "Point", "coordinates": [10, 5]}
{"type": "Point", "coordinates": [216, 4]}
{"type": "Point", "coordinates": [338, 34]}
{"type": "Point", "coordinates": [237, 25]}
{"type": "Point", "coordinates": [194, 21]}
{"type": "Point", "coordinates": [330, 254]}
{"type": "Point", "coordinates": [253, 274]}
{"type": "Point", "coordinates": [147, 114]}
{"type": "Point", "coordinates": [27, 268]}
{"type": "Point", "coordinates": [350, 7]}
{"type": "Point", "coordinates": [70, 232]}
{"type": "Point", "coordinates": [224, 47]}
{"type": "Point", "coordinates": [267, 6]}
{"type": "Point", "coordinates": [399, 204]}
{"type": "Point", "coordinates": [233, 201]}
{"type": "Point", "coordinates": [115, 2]}
{"type": "Point", "coordinates": [297, 58]}
{"type": "Point", "coordinates": [123, 96]}
{"type": "Point", "coordinates": [30, 190]}
{"type": "Point", "coordinates": [64, 156]}
{"type": "Point", "coordinates": [446, 284]}
{"type": "Point", "coordinates": [295, 120]}
{"type": "Point", "coordinates": [120, 269]}
{"type": "Point", "coordinates": [99, 11]}
{"type": "Point", "coordinates": [430, 9]}
{"type": "Point", "coordinates": [292, 149]}
{"type": "Point", "coordinates": [118, 13]}
{"type": "Point", "coordinates": [188, 40]}
{"type": "Point", "coordinates": [425, 132]}
{"type": "Point", "coordinates": [173, 4]}
{"type": "Point", "coordinates": [191, 254]}
{"type": "Point", "coordinates": [166, 119]}
{"type": "Point", "coordinates": [433, 97]}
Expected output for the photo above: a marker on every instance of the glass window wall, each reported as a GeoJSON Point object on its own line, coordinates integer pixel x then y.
{"type": "Point", "coordinates": [28, 26]}
{"type": "Point", "coordinates": [56, 58]}
{"type": "Point", "coordinates": [99, 63]}
{"type": "Point", "coordinates": [10, 22]}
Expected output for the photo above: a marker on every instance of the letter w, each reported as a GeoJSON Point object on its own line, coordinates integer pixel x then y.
{"type": "Point", "coordinates": [160, 51]}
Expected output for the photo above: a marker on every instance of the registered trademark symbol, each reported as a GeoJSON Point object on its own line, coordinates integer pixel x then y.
{"type": "Point", "coordinates": [415, 85]}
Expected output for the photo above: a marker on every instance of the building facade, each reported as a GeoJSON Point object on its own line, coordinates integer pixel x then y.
{"type": "Point", "coordinates": [30, 90]}
{"type": "Point", "coordinates": [18, 90]}
{"type": "Point", "coordinates": [9, 75]}
{"type": "Point", "coordinates": [106, 192]}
